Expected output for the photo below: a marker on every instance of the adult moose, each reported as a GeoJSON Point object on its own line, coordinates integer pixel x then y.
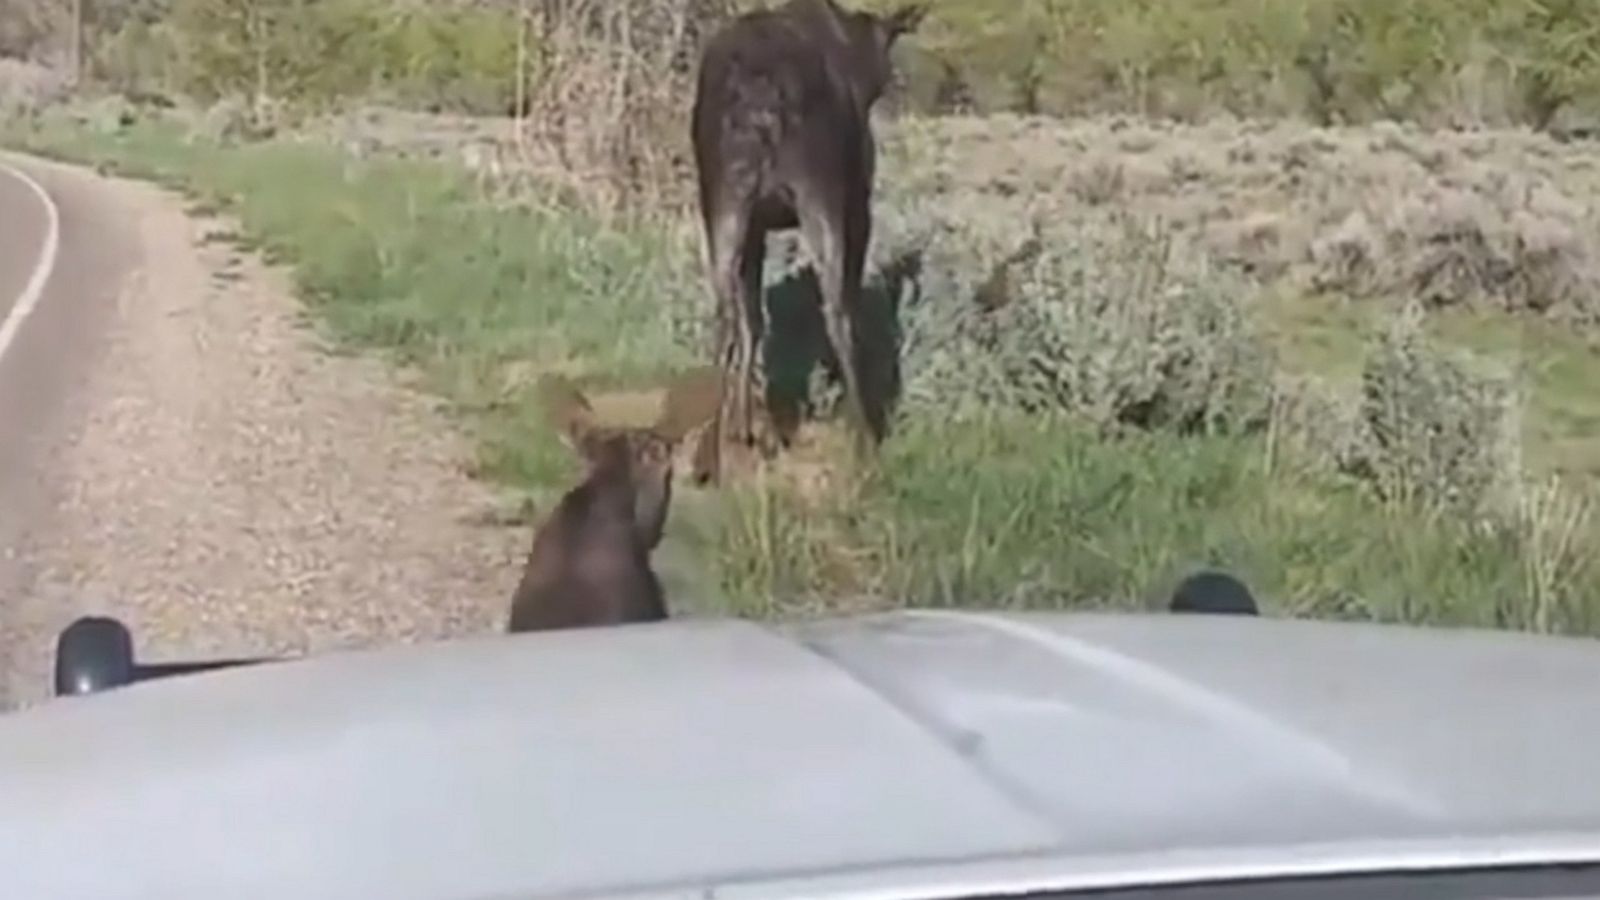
{"type": "Point", "coordinates": [782, 139]}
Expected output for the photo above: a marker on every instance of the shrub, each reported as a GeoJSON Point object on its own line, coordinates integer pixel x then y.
{"type": "Point", "coordinates": [1430, 427]}
{"type": "Point", "coordinates": [448, 58]}
{"type": "Point", "coordinates": [1440, 429]}
{"type": "Point", "coordinates": [25, 89]}
{"type": "Point", "coordinates": [139, 59]}
{"type": "Point", "coordinates": [1518, 245]}
{"type": "Point", "coordinates": [1329, 61]}
{"type": "Point", "coordinates": [1457, 219]}
{"type": "Point", "coordinates": [1108, 318]}
{"type": "Point", "coordinates": [30, 29]}
{"type": "Point", "coordinates": [316, 53]}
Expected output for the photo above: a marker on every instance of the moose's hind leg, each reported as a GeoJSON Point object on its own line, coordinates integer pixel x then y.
{"type": "Point", "coordinates": [759, 429]}
{"type": "Point", "coordinates": [728, 231]}
{"type": "Point", "coordinates": [824, 237]}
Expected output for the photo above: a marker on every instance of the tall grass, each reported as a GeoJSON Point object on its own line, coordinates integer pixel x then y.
{"type": "Point", "coordinates": [1030, 511]}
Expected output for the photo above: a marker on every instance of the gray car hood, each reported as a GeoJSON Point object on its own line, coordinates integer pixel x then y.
{"type": "Point", "coordinates": [912, 754]}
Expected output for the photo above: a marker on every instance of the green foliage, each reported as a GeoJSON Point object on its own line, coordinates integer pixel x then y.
{"type": "Point", "coordinates": [308, 50]}
{"type": "Point", "coordinates": [1330, 60]}
{"type": "Point", "coordinates": [1106, 318]}
{"type": "Point", "coordinates": [1036, 512]}
{"type": "Point", "coordinates": [1438, 431]}
{"type": "Point", "coordinates": [449, 57]}
{"type": "Point", "coordinates": [138, 58]}
{"type": "Point", "coordinates": [317, 52]}
{"type": "Point", "coordinates": [1555, 48]}
{"type": "Point", "coordinates": [1455, 61]}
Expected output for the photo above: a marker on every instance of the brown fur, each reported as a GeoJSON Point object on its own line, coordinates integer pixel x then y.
{"type": "Point", "coordinates": [782, 140]}
{"type": "Point", "coordinates": [590, 562]}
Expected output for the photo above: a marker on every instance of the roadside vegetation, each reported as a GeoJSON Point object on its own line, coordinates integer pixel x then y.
{"type": "Point", "coordinates": [1307, 289]}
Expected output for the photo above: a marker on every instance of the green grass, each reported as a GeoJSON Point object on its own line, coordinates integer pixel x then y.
{"type": "Point", "coordinates": [399, 257]}
{"type": "Point", "coordinates": [1562, 368]}
{"type": "Point", "coordinates": [1040, 514]}
{"type": "Point", "coordinates": [1558, 365]}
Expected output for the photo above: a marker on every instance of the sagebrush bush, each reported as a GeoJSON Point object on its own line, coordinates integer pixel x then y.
{"type": "Point", "coordinates": [1424, 428]}
{"type": "Point", "coordinates": [1440, 427]}
{"type": "Point", "coordinates": [1107, 318]}
{"type": "Point", "coordinates": [29, 29]}
{"type": "Point", "coordinates": [224, 121]}
{"type": "Point", "coordinates": [1515, 244]}
{"type": "Point", "coordinates": [26, 88]}
{"type": "Point", "coordinates": [1507, 220]}
{"type": "Point", "coordinates": [1315, 424]}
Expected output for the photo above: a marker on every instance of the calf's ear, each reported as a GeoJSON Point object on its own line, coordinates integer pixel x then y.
{"type": "Point", "coordinates": [693, 398]}
{"type": "Point", "coordinates": [566, 410]}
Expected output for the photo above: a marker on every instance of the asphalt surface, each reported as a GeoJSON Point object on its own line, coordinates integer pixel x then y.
{"type": "Point", "coordinates": [53, 350]}
{"type": "Point", "coordinates": [22, 240]}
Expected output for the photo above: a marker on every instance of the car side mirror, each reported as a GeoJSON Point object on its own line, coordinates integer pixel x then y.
{"type": "Point", "coordinates": [1216, 593]}
{"type": "Point", "coordinates": [95, 654]}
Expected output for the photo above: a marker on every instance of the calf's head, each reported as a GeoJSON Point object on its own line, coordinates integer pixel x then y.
{"type": "Point", "coordinates": [637, 462]}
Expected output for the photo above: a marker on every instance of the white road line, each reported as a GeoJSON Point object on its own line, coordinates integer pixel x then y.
{"type": "Point", "coordinates": [34, 289]}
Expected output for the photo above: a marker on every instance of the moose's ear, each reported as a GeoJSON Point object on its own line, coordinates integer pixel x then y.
{"type": "Point", "coordinates": [693, 399]}
{"type": "Point", "coordinates": [566, 410]}
{"type": "Point", "coordinates": [904, 20]}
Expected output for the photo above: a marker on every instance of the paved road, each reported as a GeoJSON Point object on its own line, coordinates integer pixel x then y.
{"type": "Point", "coordinates": [23, 240]}
{"type": "Point", "coordinates": [52, 321]}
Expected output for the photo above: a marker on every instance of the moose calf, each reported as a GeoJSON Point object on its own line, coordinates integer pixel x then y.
{"type": "Point", "coordinates": [590, 562]}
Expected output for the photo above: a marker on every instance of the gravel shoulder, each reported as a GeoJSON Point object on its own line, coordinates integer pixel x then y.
{"type": "Point", "coordinates": [225, 484]}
